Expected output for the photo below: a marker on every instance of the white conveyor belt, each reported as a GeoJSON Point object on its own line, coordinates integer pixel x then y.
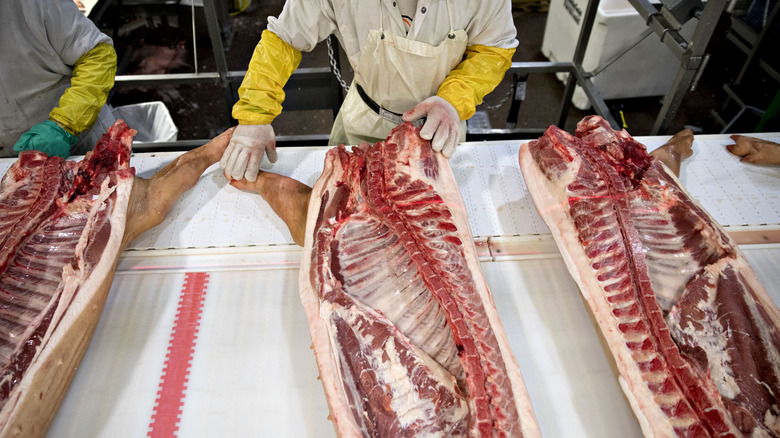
{"type": "Point", "coordinates": [216, 215]}
{"type": "Point", "coordinates": [253, 374]}
{"type": "Point", "coordinates": [235, 343]}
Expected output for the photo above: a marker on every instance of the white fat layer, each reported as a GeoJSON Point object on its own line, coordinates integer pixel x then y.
{"type": "Point", "coordinates": [772, 422]}
{"type": "Point", "coordinates": [71, 305]}
{"type": "Point", "coordinates": [317, 311]}
{"type": "Point", "coordinates": [405, 400]}
{"type": "Point", "coordinates": [551, 199]}
{"type": "Point", "coordinates": [669, 264]}
{"type": "Point", "coordinates": [379, 272]}
{"type": "Point", "coordinates": [711, 337]}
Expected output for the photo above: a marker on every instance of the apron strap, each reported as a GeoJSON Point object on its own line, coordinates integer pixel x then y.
{"type": "Point", "coordinates": [381, 20]}
{"type": "Point", "coordinates": [451, 35]}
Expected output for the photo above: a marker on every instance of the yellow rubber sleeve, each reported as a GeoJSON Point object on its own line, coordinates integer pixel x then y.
{"type": "Point", "coordinates": [261, 93]}
{"type": "Point", "coordinates": [481, 70]}
{"type": "Point", "coordinates": [93, 78]}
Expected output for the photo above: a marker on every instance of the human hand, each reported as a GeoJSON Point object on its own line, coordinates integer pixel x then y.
{"type": "Point", "coordinates": [48, 137]}
{"type": "Point", "coordinates": [245, 152]}
{"type": "Point", "coordinates": [442, 125]}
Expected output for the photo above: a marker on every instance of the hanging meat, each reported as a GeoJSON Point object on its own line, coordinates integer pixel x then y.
{"type": "Point", "coordinates": [63, 225]}
{"type": "Point", "coordinates": [405, 332]}
{"type": "Point", "coordinates": [693, 333]}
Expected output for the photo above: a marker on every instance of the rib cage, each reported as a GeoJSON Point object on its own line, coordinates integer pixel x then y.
{"type": "Point", "coordinates": [401, 199]}
{"type": "Point", "coordinates": [405, 300]}
{"type": "Point", "coordinates": [674, 297]}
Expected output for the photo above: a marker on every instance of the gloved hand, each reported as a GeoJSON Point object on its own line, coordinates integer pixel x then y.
{"type": "Point", "coordinates": [442, 126]}
{"type": "Point", "coordinates": [244, 154]}
{"type": "Point", "coordinates": [47, 137]}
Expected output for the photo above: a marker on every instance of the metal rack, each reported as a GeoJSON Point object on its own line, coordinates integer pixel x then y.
{"type": "Point", "coordinates": [666, 21]}
{"type": "Point", "coordinates": [318, 88]}
{"type": "Point", "coordinates": [753, 41]}
{"type": "Point", "coordinates": [691, 53]}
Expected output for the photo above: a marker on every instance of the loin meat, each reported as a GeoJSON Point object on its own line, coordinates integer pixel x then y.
{"type": "Point", "coordinates": [404, 329]}
{"type": "Point", "coordinates": [61, 227]}
{"type": "Point", "coordinates": [693, 333]}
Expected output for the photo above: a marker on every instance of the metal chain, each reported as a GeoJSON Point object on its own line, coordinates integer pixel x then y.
{"type": "Point", "coordinates": [344, 85]}
{"type": "Point", "coordinates": [334, 67]}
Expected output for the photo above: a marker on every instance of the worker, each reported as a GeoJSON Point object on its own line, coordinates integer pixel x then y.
{"type": "Point", "coordinates": [430, 61]}
{"type": "Point", "coordinates": [56, 69]}
{"type": "Point", "coordinates": [755, 150]}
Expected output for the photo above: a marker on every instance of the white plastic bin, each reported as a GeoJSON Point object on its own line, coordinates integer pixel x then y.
{"type": "Point", "coordinates": [151, 119]}
{"type": "Point", "coordinates": [648, 69]}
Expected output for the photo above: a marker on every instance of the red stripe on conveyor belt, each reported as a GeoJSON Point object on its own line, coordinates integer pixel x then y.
{"type": "Point", "coordinates": [173, 382]}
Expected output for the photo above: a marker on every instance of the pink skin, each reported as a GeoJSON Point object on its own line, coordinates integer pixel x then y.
{"type": "Point", "coordinates": [151, 199]}
{"type": "Point", "coordinates": [677, 149]}
{"type": "Point", "coordinates": [754, 150]}
{"type": "Point", "coordinates": [288, 198]}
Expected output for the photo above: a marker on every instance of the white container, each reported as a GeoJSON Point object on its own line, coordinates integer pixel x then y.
{"type": "Point", "coordinates": [648, 69]}
{"type": "Point", "coordinates": [151, 119]}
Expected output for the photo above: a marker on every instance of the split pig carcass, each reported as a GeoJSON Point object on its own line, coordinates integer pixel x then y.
{"type": "Point", "coordinates": [405, 332]}
{"type": "Point", "coordinates": [693, 333]}
{"type": "Point", "coordinates": [63, 225]}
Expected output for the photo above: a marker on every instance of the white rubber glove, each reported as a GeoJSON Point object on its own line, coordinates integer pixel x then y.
{"type": "Point", "coordinates": [244, 154]}
{"type": "Point", "coordinates": [442, 126]}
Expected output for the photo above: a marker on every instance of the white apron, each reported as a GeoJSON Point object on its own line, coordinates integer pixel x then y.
{"type": "Point", "coordinates": [397, 73]}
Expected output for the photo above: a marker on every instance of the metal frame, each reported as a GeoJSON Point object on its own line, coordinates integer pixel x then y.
{"type": "Point", "coordinates": [692, 54]}
{"type": "Point", "coordinates": [307, 88]}
{"type": "Point", "coordinates": [327, 90]}
{"type": "Point", "coordinates": [222, 76]}
{"type": "Point", "coordinates": [753, 43]}
{"type": "Point", "coordinates": [576, 76]}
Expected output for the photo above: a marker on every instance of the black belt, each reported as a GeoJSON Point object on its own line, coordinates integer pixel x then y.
{"type": "Point", "coordinates": [375, 107]}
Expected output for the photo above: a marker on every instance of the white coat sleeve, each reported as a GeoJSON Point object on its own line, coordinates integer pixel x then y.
{"type": "Point", "coordinates": [492, 25]}
{"type": "Point", "coordinates": [70, 33]}
{"type": "Point", "coordinates": [304, 23]}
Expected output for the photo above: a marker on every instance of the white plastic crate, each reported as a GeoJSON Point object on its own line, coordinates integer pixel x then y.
{"type": "Point", "coordinates": [152, 120]}
{"type": "Point", "coordinates": [648, 69]}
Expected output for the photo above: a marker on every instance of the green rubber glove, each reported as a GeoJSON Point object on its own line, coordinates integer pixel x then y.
{"type": "Point", "coordinates": [47, 137]}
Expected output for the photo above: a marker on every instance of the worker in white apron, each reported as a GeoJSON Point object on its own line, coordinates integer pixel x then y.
{"type": "Point", "coordinates": [430, 61]}
{"type": "Point", "coordinates": [56, 69]}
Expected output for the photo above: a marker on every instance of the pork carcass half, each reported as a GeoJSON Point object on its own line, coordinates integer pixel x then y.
{"type": "Point", "coordinates": [693, 333]}
{"type": "Point", "coordinates": [403, 326]}
{"type": "Point", "coordinates": [61, 227]}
